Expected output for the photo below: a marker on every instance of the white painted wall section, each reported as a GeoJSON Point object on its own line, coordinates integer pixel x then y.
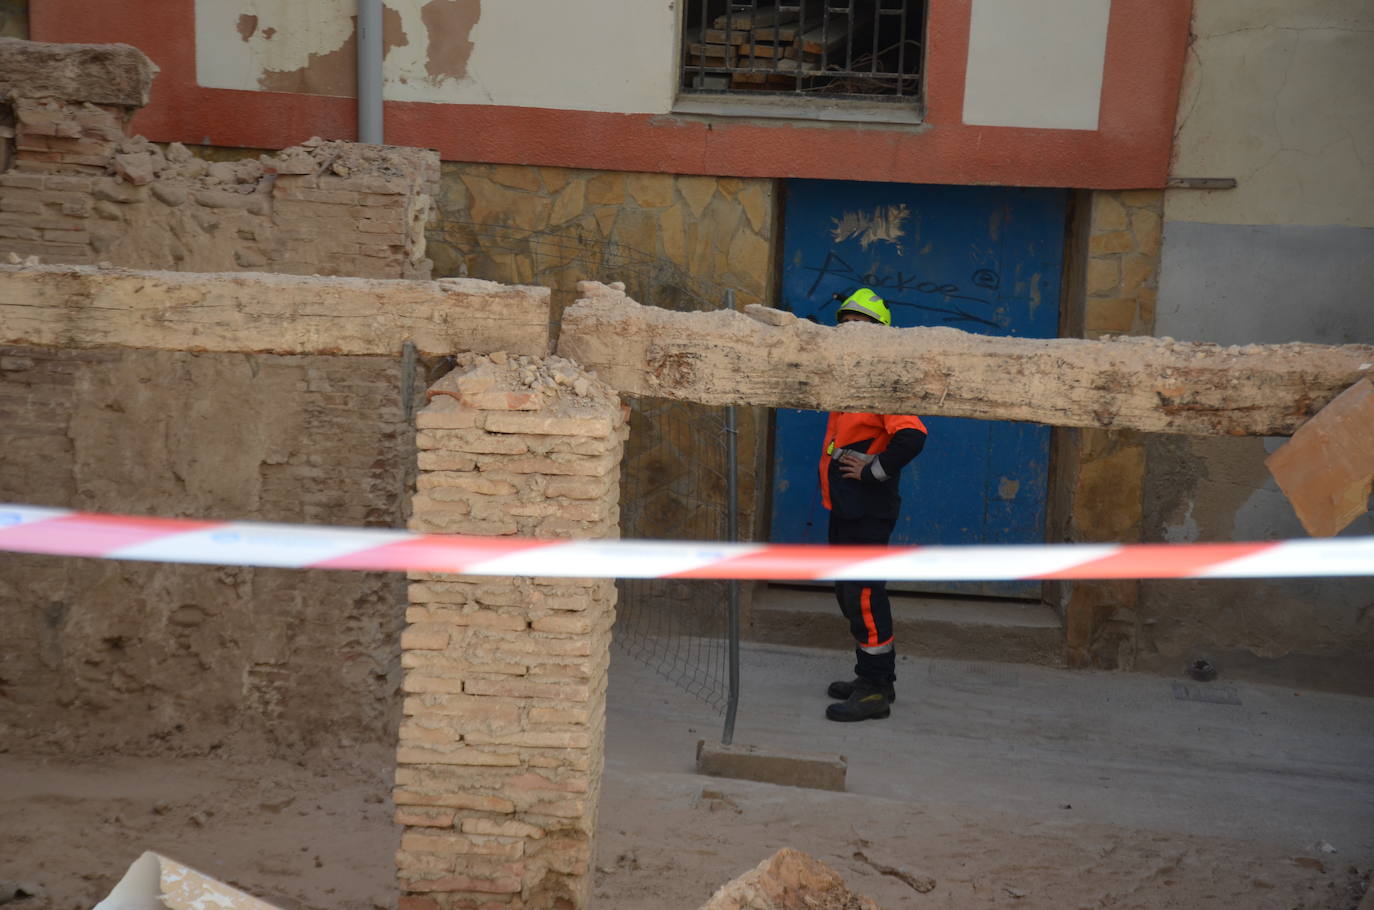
{"type": "Point", "coordinates": [289, 32]}
{"type": "Point", "coordinates": [1036, 63]}
{"type": "Point", "coordinates": [592, 55]}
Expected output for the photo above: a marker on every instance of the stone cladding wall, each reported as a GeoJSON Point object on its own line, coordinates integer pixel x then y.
{"type": "Point", "coordinates": [1104, 470]}
{"type": "Point", "coordinates": [501, 749]}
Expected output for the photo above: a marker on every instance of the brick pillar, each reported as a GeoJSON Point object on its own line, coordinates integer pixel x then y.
{"type": "Point", "coordinates": [500, 755]}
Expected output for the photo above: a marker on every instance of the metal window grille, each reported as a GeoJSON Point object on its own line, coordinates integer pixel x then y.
{"type": "Point", "coordinates": [859, 49]}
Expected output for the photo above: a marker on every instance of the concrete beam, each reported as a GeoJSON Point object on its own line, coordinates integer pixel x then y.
{"type": "Point", "coordinates": [777, 360]}
{"type": "Point", "coordinates": [98, 73]}
{"type": "Point", "coordinates": [815, 770]}
{"type": "Point", "coordinates": [84, 307]}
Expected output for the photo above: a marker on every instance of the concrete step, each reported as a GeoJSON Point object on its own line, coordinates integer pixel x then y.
{"type": "Point", "coordinates": [925, 626]}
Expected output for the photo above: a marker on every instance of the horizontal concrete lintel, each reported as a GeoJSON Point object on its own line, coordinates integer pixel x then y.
{"type": "Point", "coordinates": [814, 770]}
{"type": "Point", "coordinates": [251, 312]}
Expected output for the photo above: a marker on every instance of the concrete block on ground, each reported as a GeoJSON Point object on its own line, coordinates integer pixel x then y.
{"type": "Point", "coordinates": [814, 770]}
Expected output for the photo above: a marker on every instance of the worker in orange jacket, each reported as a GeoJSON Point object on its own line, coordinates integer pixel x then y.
{"type": "Point", "coordinates": [860, 468]}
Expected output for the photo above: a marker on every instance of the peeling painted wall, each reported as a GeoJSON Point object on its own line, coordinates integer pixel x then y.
{"type": "Point", "coordinates": [1280, 96]}
{"type": "Point", "coordinates": [592, 55]}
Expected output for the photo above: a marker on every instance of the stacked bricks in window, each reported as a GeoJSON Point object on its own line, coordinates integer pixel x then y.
{"type": "Point", "coordinates": [769, 47]}
{"type": "Point", "coordinates": [500, 753]}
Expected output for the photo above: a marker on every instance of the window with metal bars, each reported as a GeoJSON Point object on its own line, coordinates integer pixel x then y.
{"type": "Point", "coordinates": [861, 49]}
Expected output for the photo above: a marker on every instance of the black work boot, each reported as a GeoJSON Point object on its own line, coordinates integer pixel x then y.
{"type": "Point", "coordinates": [867, 701]}
{"type": "Point", "coordinates": [842, 689]}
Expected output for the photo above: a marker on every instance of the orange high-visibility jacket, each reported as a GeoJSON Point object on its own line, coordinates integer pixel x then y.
{"type": "Point", "coordinates": [870, 434]}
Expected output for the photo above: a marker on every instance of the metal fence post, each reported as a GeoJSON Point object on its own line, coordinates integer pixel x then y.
{"type": "Point", "coordinates": [732, 535]}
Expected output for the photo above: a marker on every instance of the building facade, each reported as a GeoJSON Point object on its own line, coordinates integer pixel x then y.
{"type": "Point", "coordinates": [995, 165]}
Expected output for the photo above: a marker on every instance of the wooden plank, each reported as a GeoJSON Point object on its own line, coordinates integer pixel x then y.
{"type": "Point", "coordinates": [787, 33]}
{"type": "Point", "coordinates": [723, 59]}
{"type": "Point", "coordinates": [724, 35]}
{"type": "Point", "coordinates": [755, 18]}
{"type": "Point", "coordinates": [763, 51]}
{"type": "Point", "coordinates": [825, 39]}
{"type": "Point", "coordinates": [777, 360]}
{"type": "Point", "coordinates": [1327, 469]}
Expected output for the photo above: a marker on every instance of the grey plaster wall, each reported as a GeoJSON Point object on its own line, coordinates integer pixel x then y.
{"type": "Point", "coordinates": [1261, 284]}
{"type": "Point", "coordinates": [1242, 284]}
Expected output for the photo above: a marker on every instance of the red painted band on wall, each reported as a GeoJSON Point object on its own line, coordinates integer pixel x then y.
{"type": "Point", "coordinates": [1146, 45]}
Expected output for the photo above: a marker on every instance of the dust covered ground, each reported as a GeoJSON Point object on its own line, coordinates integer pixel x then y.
{"type": "Point", "coordinates": [991, 786]}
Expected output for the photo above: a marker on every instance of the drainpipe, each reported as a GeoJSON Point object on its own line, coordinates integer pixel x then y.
{"type": "Point", "coordinates": [370, 71]}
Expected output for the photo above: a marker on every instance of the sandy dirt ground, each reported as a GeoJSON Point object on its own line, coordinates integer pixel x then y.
{"type": "Point", "coordinates": [959, 833]}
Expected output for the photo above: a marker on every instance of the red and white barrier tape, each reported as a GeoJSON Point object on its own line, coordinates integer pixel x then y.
{"type": "Point", "coordinates": [60, 532]}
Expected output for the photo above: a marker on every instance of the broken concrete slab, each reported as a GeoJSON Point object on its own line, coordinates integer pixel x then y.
{"type": "Point", "coordinates": [155, 881]}
{"type": "Point", "coordinates": [814, 770]}
{"type": "Point", "coordinates": [788, 880]}
{"type": "Point", "coordinates": [1327, 469]}
{"type": "Point", "coordinates": [99, 73]}
{"type": "Point", "coordinates": [777, 360]}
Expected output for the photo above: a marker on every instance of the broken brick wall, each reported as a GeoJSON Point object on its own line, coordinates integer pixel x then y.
{"type": "Point", "coordinates": [156, 658]}
{"type": "Point", "coordinates": [501, 751]}
{"type": "Point", "coordinates": [152, 658]}
{"type": "Point", "coordinates": [164, 658]}
{"type": "Point", "coordinates": [76, 188]}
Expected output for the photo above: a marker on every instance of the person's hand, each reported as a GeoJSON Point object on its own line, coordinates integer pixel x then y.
{"type": "Point", "coordinates": [851, 466]}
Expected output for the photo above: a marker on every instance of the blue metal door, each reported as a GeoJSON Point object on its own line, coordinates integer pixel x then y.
{"type": "Point", "coordinates": [980, 259]}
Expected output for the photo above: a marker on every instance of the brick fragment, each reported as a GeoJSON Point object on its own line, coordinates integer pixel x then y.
{"type": "Point", "coordinates": [446, 413]}
{"type": "Point", "coordinates": [515, 688]}
{"type": "Point", "coordinates": [484, 485]}
{"type": "Point", "coordinates": [577, 487]}
{"type": "Point", "coordinates": [572, 623]}
{"type": "Point", "coordinates": [428, 817]}
{"type": "Point", "coordinates": [451, 797]}
{"type": "Point", "coordinates": [505, 401]}
{"type": "Point", "coordinates": [417, 842]}
{"type": "Point", "coordinates": [576, 783]}
{"type": "Point", "coordinates": [548, 425]}
{"type": "Point", "coordinates": [445, 461]}
{"type": "Point", "coordinates": [457, 755]}
{"type": "Point", "coordinates": [546, 739]}
{"type": "Point", "coordinates": [501, 827]}
{"type": "Point", "coordinates": [425, 637]}
{"type": "Point", "coordinates": [564, 464]}
{"type": "Point", "coordinates": [470, 707]}
{"type": "Point", "coordinates": [566, 808]}
{"type": "Point", "coordinates": [475, 441]}
{"type": "Point", "coordinates": [497, 885]}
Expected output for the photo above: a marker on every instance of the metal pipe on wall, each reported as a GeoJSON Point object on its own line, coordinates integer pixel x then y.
{"type": "Point", "coordinates": [732, 535]}
{"type": "Point", "coordinates": [370, 71]}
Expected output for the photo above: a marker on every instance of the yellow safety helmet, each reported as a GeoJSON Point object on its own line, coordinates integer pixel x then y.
{"type": "Point", "coordinates": [866, 303]}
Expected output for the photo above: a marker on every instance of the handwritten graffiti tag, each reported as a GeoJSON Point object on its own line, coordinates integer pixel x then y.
{"type": "Point", "coordinates": [955, 306]}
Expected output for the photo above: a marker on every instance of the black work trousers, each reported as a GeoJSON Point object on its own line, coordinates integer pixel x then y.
{"type": "Point", "coordinates": [865, 603]}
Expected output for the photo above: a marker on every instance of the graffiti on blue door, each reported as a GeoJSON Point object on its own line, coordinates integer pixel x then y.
{"type": "Point", "coordinates": [979, 259]}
